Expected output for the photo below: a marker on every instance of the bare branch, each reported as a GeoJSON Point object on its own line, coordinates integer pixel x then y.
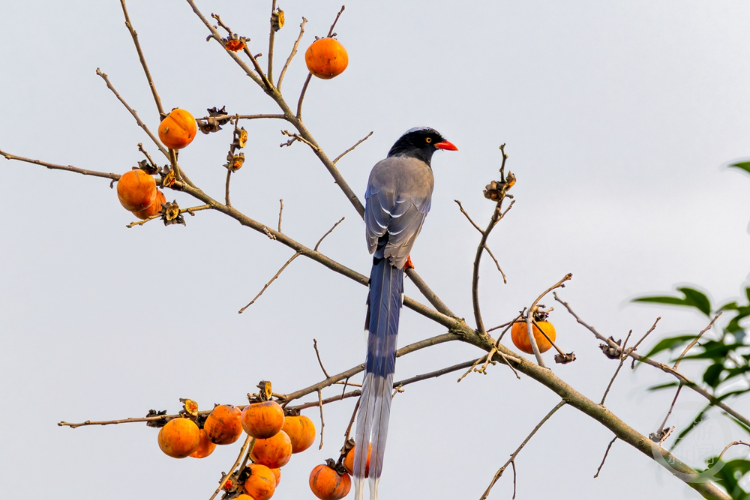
{"type": "Point", "coordinates": [530, 318]}
{"type": "Point", "coordinates": [317, 353]}
{"type": "Point", "coordinates": [281, 211]}
{"type": "Point", "coordinates": [322, 422]}
{"type": "Point", "coordinates": [294, 52]}
{"type": "Point", "coordinates": [158, 216]}
{"type": "Point", "coordinates": [330, 31]}
{"type": "Point", "coordinates": [271, 38]}
{"type": "Point", "coordinates": [151, 85]}
{"type": "Point", "coordinates": [352, 148]}
{"type": "Point", "coordinates": [733, 443]}
{"type": "Point", "coordinates": [53, 166]}
{"type": "Point", "coordinates": [324, 236]}
{"type": "Point", "coordinates": [660, 435]}
{"type": "Point", "coordinates": [513, 456]}
{"type": "Point", "coordinates": [132, 112]}
{"type": "Point", "coordinates": [428, 293]}
{"type": "Point", "coordinates": [653, 327]}
{"type": "Point", "coordinates": [605, 457]}
{"type": "Point", "coordinates": [302, 96]}
{"type": "Point", "coordinates": [666, 369]}
{"type": "Point", "coordinates": [236, 463]}
{"type": "Point", "coordinates": [275, 276]}
{"type": "Point", "coordinates": [695, 341]}
{"type": "Point", "coordinates": [227, 201]}
{"type": "Point", "coordinates": [623, 357]}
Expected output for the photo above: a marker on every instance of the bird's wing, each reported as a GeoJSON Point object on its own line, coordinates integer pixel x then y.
{"type": "Point", "coordinates": [398, 198]}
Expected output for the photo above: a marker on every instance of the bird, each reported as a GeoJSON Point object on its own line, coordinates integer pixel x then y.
{"type": "Point", "coordinates": [397, 199]}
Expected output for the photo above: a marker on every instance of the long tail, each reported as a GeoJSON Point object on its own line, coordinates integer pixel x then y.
{"type": "Point", "coordinates": [384, 308]}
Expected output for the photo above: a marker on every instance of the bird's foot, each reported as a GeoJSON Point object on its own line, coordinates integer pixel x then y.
{"type": "Point", "coordinates": [408, 264]}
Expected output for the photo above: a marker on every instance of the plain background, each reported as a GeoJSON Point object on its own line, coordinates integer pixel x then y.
{"type": "Point", "coordinates": [619, 119]}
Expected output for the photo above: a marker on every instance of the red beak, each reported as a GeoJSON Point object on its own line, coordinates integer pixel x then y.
{"type": "Point", "coordinates": [446, 146]}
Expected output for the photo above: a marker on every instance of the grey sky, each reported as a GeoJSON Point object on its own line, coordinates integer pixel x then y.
{"type": "Point", "coordinates": [618, 118]}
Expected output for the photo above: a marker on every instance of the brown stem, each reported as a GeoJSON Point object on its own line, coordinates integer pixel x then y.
{"type": "Point", "coordinates": [53, 166]}
{"type": "Point", "coordinates": [605, 457]}
{"type": "Point", "coordinates": [352, 148]}
{"type": "Point", "coordinates": [236, 463]}
{"type": "Point", "coordinates": [151, 85]}
{"type": "Point", "coordinates": [302, 97]}
{"type": "Point", "coordinates": [513, 456]}
{"type": "Point", "coordinates": [294, 52]}
{"type": "Point", "coordinates": [320, 362]}
{"type": "Point", "coordinates": [330, 31]}
{"type": "Point", "coordinates": [271, 37]}
{"type": "Point", "coordinates": [623, 357]}
{"type": "Point", "coordinates": [695, 341]}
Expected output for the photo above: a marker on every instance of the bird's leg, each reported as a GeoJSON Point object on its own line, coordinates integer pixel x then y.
{"type": "Point", "coordinates": [408, 264]}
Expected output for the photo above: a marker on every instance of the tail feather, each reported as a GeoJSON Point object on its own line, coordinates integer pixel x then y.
{"type": "Point", "coordinates": [384, 308]}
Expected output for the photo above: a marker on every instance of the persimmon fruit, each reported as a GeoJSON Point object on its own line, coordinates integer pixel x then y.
{"type": "Point", "coordinates": [327, 484]}
{"type": "Point", "coordinates": [519, 334]}
{"type": "Point", "coordinates": [301, 431]}
{"type": "Point", "coordinates": [277, 474]}
{"type": "Point", "coordinates": [154, 208]}
{"type": "Point", "coordinates": [224, 425]}
{"type": "Point", "coordinates": [349, 460]}
{"type": "Point", "coordinates": [262, 482]}
{"type": "Point", "coordinates": [205, 448]}
{"type": "Point", "coordinates": [326, 58]}
{"type": "Point", "coordinates": [273, 452]}
{"type": "Point", "coordinates": [178, 129]}
{"type": "Point", "coordinates": [179, 438]}
{"type": "Point", "coordinates": [263, 420]}
{"type": "Point", "coordinates": [136, 190]}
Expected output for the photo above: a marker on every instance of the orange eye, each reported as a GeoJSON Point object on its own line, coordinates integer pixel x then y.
{"type": "Point", "coordinates": [429, 140]}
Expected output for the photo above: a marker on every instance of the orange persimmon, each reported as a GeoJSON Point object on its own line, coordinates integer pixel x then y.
{"type": "Point", "coordinates": [154, 208]}
{"type": "Point", "coordinates": [262, 482]}
{"type": "Point", "coordinates": [349, 461]}
{"type": "Point", "coordinates": [301, 431]}
{"type": "Point", "coordinates": [519, 334]}
{"type": "Point", "coordinates": [263, 420]}
{"type": "Point", "coordinates": [178, 129]}
{"type": "Point", "coordinates": [136, 190]}
{"type": "Point", "coordinates": [326, 58]}
{"type": "Point", "coordinates": [327, 484]}
{"type": "Point", "coordinates": [179, 438]}
{"type": "Point", "coordinates": [205, 448]}
{"type": "Point", "coordinates": [273, 452]}
{"type": "Point", "coordinates": [277, 473]}
{"type": "Point", "coordinates": [224, 425]}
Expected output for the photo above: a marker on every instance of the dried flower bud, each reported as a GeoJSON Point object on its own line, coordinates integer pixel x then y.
{"type": "Point", "coordinates": [564, 359]}
{"type": "Point", "coordinates": [492, 191]}
{"type": "Point", "coordinates": [235, 45]}
{"type": "Point", "coordinates": [242, 138]}
{"type": "Point", "coordinates": [277, 20]}
{"type": "Point", "coordinates": [171, 214]}
{"type": "Point", "coordinates": [156, 423]}
{"type": "Point", "coordinates": [189, 407]}
{"type": "Point", "coordinates": [611, 352]}
{"type": "Point", "coordinates": [167, 177]}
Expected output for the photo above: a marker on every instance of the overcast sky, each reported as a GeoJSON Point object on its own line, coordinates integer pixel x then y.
{"type": "Point", "coordinates": [619, 119]}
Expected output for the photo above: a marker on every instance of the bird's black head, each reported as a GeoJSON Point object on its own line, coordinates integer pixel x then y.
{"type": "Point", "coordinates": [420, 143]}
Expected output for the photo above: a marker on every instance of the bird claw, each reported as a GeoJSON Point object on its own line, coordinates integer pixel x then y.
{"type": "Point", "coordinates": [408, 264]}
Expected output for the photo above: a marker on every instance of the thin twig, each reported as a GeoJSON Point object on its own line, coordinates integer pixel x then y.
{"type": "Point", "coordinates": [513, 464]}
{"type": "Point", "coordinates": [302, 96]}
{"type": "Point", "coordinates": [666, 369]}
{"type": "Point", "coordinates": [352, 148]}
{"type": "Point", "coordinates": [530, 317]}
{"type": "Point", "coordinates": [281, 211]}
{"type": "Point", "coordinates": [329, 232]}
{"type": "Point", "coordinates": [330, 31]}
{"type": "Point", "coordinates": [623, 357]}
{"type": "Point", "coordinates": [189, 210]}
{"type": "Point", "coordinates": [322, 422]}
{"type": "Point", "coordinates": [605, 457]}
{"type": "Point", "coordinates": [351, 421]}
{"type": "Point", "coordinates": [271, 37]}
{"type": "Point", "coordinates": [294, 52]}
{"type": "Point", "coordinates": [275, 276]}
{"type": "Point", "coordinates": [653, 327]}
{"type": "Point", "coordinates": [695, 341]}
{"type": "Point", "coordinates": [671, 407]}
{"type": "Point", "coordinates": [428, 293]}
{"type": "Point", "coordinates": [544, 334]}
{"type": "Point", "coordinates": [236, 463]}
{"type": "Point", "coordinates": [512, 458]}
{"type": "Point", "coordinates": [53, 166]}
{"type": "Point", "coordinates": [733, 443]}
{"type": "Point", "coordinates": [134, 34]}
{"type": "Point", "coordinates": [505, 280]}
{"type": "Point", "coordinates": [132, 112]}
{"type": "Point", "coordinates": [317, 353]}
{"type": "Point", "coordinates": [461, 207]}
{"type": "Point", "coordinates": [227, 201]}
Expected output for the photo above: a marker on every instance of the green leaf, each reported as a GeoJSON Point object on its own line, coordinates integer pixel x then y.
{"type": "Point", "coordinates": [669, 343]}
{"type": "Point", "coordinates": [662, 386]}
{"type": "Point", "coordinates": [692, 298]}
{"type": "Point", "coordinates": [712, 375]}
{"type": "Point", "coordinates": [747, 293]}
{"type": "Point", "coordinates": [718, 351]}
{"type": "Point", "coordinates": [744, 165]}
{"type": "Point", "coordinates": [742, 425]}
